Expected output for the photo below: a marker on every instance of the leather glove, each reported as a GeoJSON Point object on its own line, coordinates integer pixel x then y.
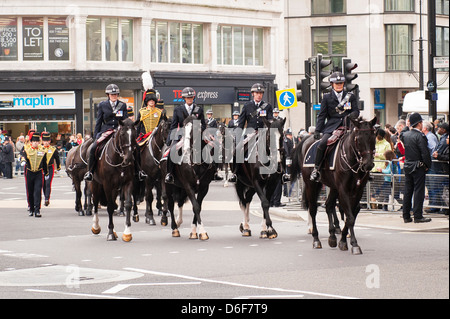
{"type": "Point", "coordinates": [317, 135]}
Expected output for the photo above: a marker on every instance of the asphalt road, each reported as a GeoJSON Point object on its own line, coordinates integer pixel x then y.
{"type": "Point", "coordinates": [57, 256]}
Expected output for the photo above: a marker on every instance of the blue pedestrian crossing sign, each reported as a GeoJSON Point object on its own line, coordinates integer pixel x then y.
{"type": "Point", "coordinates": [286, 99]}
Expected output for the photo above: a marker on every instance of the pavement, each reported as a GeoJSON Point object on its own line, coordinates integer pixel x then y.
{"type": "Point", "coordinates": [366, 218]}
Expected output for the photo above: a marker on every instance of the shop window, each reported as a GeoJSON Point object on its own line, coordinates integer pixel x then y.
{"type": "Point", "coordinates": [33, 39]}
{"type": "Point", "coordinates": [109, 39]}
{"type": "Point", "coordinates": [58, 39]}
{"type": "Point", "coordinates": [8, 39]}
{"type": "Point", "coordinates": [176, 42]}
{"type": "Point", "coordinates": [239, 46]}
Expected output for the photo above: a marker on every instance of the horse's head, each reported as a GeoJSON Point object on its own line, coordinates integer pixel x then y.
{"type": "Point", "coordinates": [125, 140]}
{"type": "Point", "coordinates": [364, 139]}
{"type": "Point", "coordinates": [275, 130]}
{"type": "Point", "coordinates": [165, 128]}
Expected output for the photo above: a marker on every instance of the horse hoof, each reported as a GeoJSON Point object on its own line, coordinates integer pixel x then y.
{"type": "Point", "coordinates": [175, 233]}
{"type": "Point", "coordinates": [81, 213]}
{"type": "Point", "coordinates": [96, 231]}
{"type": "Point", "coordinates": [343, 245]}
{"type": "Point", "coordinates": [332, 242]}
{"type": "Point", "coordinates": [136, 218]}
{"type": "Point", "coordinates": [241, 228]}
{"type": "Point", "coordinates": [317, 245]}
{"type": "Point", "coordinates": [164, 221]}
{"type": "Point", "coordinates": [127, 237]}
{"type": "Point", "coordinates": [272, 234]}
{"type": "Point", "coordinates": [111, 237]}
{"type": "Point", "coordinates": [89, 213]}
{"type": "Point", "coordinates": [263, 234]}
{"type": "Point", "coordinates": [193, 236]}
{"type": "Point", "coordinates": [204, 236]}
{"type": "Point", "coordinates": [356, 250]}
{"type": "Point", "coordinates": [246, 233]}
{"type": "Point", "coordinates": [151, 222]}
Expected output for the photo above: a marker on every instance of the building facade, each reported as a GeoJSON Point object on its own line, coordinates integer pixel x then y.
{"type": "Point", "coordinates": [381, 36]}
{"type": "Point", "coordinates": [57, 57]}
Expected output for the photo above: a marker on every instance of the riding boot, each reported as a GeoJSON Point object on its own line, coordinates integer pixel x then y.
{"type": "Point", "coordinates": [89, 176]}
{"type": "Point", "coordinates": [169, 176]}
{"type": "Point", "coordinates": [141, 175]}
{"type": "Point", "coordinates": [315, 174]}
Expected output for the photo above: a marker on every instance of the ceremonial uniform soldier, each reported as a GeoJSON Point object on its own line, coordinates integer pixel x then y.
{"type": "Point", "coordinates": [35, 159]}
{"type": "Point", "coordinates": [210, 121]}
{"type": "Point", "coordinates": [149, 115]}
{"type": "Point", "coordinates": [335, 106]}
{"type": "Point", "coordinates": [180, 113]}
{"type": "Point", "coordinates": [52, 158]}
{"type": "Point", "coordinates": [253, 111]}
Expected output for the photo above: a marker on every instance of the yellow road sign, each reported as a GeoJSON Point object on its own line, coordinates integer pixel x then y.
{"type": "Point", "coordinates": [286, 99]}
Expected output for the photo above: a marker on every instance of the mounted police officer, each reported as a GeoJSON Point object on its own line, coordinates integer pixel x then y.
{"type": "Point", "coordinates": [276, 114]}
{"type": "Point", "coordinates": [234, 123]}
{"type": "Point", "coordinates": [335, 106]}
{"type": "Point", "coordinates": [180, 113]}
{"type": "Point", "coordinates": [253, 111]}
{"type": "Point", "coordinates": [34, 157]}
{"type": "Point", "coordinates": [52, 158]}
{"type": "Point", "coordinates": [210, 121]}
{"type": "Point", "coordinates": [109, 113]}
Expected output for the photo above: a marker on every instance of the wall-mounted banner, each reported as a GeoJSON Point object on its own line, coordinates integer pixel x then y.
{"type": "Point", "coordinates": [37, 100]}
{"type": "Point", "coordinates": [209, 95]}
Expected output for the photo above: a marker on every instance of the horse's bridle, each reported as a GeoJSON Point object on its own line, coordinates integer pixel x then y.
{"type": "Point", "coordinates": [358, 155]}
{"type": "Point", "coordinates": [117, 151]}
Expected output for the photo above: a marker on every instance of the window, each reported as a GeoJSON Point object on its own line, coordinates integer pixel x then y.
{"type": "Point", "coordinates": [398, 47]}
{"type": "Point", "coordinates": [399, 5]}
{"type": "Point", "coordinates": [8, 39]}
{"type": "Point", "coordinates": [109, 39]}
{"type": "Point", "coordinates": [239, 46]}
{"type": "Point", "coordinates": [442, 7]}
{"type": "Point", "coordinates": [174, 42]}
{"type": "Point", "coordinates": [331, 42]}
{"type": "Point", "coordinates": [442, 43]}
{"type": "Point", "coordinates": [38, 34]}
{"type": "Point", "coordinates": [328, 6]}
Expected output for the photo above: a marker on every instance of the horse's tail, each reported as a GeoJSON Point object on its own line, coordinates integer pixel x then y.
{"type": "Point", "coordinates": [296, 166]}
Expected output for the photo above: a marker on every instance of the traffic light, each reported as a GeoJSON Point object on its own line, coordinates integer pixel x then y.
{"type": "Point", "coordinates": [347, 68]}
{"type": "Point", "coordinates": [321, 85]}
{"type": "Point", "coordinates": [303, 93]}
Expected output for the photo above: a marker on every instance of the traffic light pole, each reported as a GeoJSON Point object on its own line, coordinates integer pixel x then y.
{"type": "Point", "coordinates": [432, 79]}
{"type": "Point", "coordinates": [308, 103]}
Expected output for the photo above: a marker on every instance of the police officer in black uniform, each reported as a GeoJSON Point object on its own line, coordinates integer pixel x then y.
{"type": "Point", "coordinates": [180, 113]}
{"type": "Point", "coordinates": [210, 121]}
{"type": "Point", "coordinates": [335, 106]}
{"type": "Point", "coordinates": [234, 122]}
{"type": "Point", "coordinates": [109, 113]}
{"type": "Point", "coordinates": [253, 111]}
{"type": "Point", "coordinates": [417, 163]}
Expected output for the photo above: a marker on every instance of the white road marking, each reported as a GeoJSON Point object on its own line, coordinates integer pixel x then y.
{"type": "Point", "coordinates": [75, 294]}
{"type": "Point", "coordinates": [157, 273]}
{"type": "Point", "coordinates": [121, 287]}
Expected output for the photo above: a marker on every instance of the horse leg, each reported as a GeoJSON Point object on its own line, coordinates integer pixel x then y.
{"type": "Point", "coordinates": [330, 206]}
{"type": "Point", "coordinates": [267, 231]}
{"type": "Point", "coordinates": [78, 195]}
{"type": "Point", "coordinates": [312, 194]}
{"type": "Point", "coordinates": [203, 235]}
{"type": "Point", "coordinates": [148, 206]}
{"type": "Point", "coordinates": [169, 205]}
{"type": "Point", "coordinates": [122, 203]}
{"type": "Point", "coordinates": [95, 225]}
{"type": "Point", "coordinates": [135, 207]}
{"type": "Point", "coordinates": [127, 236]}
{"type": "Point", "coordinates": [350, 217]}
{"type": "Point", "coordinates": [245, 197]}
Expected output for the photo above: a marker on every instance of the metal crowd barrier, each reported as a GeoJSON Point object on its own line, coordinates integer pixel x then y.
{"type": "Point", "coordinates": [386, 191]}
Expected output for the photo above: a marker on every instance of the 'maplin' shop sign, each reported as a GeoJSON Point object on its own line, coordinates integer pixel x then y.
{"type": "Point", "coordinates": [37, 100]}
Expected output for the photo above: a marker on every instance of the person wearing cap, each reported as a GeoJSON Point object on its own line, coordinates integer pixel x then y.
{"type": "Point", "coordinates": [254, 111]}
{"type": "Point", "coordinates": [109, 113]}
{"type": "Point", "coordinates": [34, 158]}
{"type": "Point", "coordinates": [149, 115]}
{"type": "Point", "coordinates": [276, 114]}
{"type": "Point", "coordinates": [180, 113]}
{"type": "Point", "coordinates": [417, 163]}
{"type": "Point", "coordinates": [210, 120]}
{"type": "Point", "coordinates": [52, 158]}
{"type": "Point", "coordinates": [234, 122]}
{"type": "Point", "coordinates": [335, 107]}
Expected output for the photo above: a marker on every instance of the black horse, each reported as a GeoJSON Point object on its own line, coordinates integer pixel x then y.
{"type": "Point", "coordinates": [115, 173]}
{"type": "Point", "coordinates": [192, 179]}
{"type": "Point", "coordinates": [260, 175]}
{"type": "Point", "coordinates": [76, 167]}
{"type": "Point", "coordinates": [151, 154]}
{"type": "Point", "coordinates": [353, 161]}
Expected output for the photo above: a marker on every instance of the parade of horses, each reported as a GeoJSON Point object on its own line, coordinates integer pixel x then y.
{"type": "Point", "coordinates": [178, 158]}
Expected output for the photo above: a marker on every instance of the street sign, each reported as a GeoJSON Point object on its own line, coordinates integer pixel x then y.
{"type": "Point", "coordinates": [441, 62]}
{"type": "Point", "coordinates": [286, 99]}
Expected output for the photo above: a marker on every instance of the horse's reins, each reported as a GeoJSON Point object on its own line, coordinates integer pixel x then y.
{"type": "Point", "coordinates": [117, 151]}
{"type": "Point", "coordinates": [359, 156]}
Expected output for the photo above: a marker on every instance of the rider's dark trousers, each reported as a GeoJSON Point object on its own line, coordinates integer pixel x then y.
{"type": "Point", "coordinates": [47, 187]}
{"type": "Point", "coordinates": [321, 149]}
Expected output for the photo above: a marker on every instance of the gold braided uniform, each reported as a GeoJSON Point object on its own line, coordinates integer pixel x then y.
{"type": "Point", "coordinates": [150, 118]}
{"type": "Point", "coordinates": [34, 158]}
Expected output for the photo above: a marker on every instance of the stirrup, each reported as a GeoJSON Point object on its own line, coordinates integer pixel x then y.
{"type": "Point", "coordinates": [88, 176]}
{"type": "Point", "coordinates": [169, 179]}
{"type": "Point", "coordinates": [286, 178]}
{"type": "Point", "coordinates": [233, 179]}
{"type": "Point", "coordinates": [315, 175]}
